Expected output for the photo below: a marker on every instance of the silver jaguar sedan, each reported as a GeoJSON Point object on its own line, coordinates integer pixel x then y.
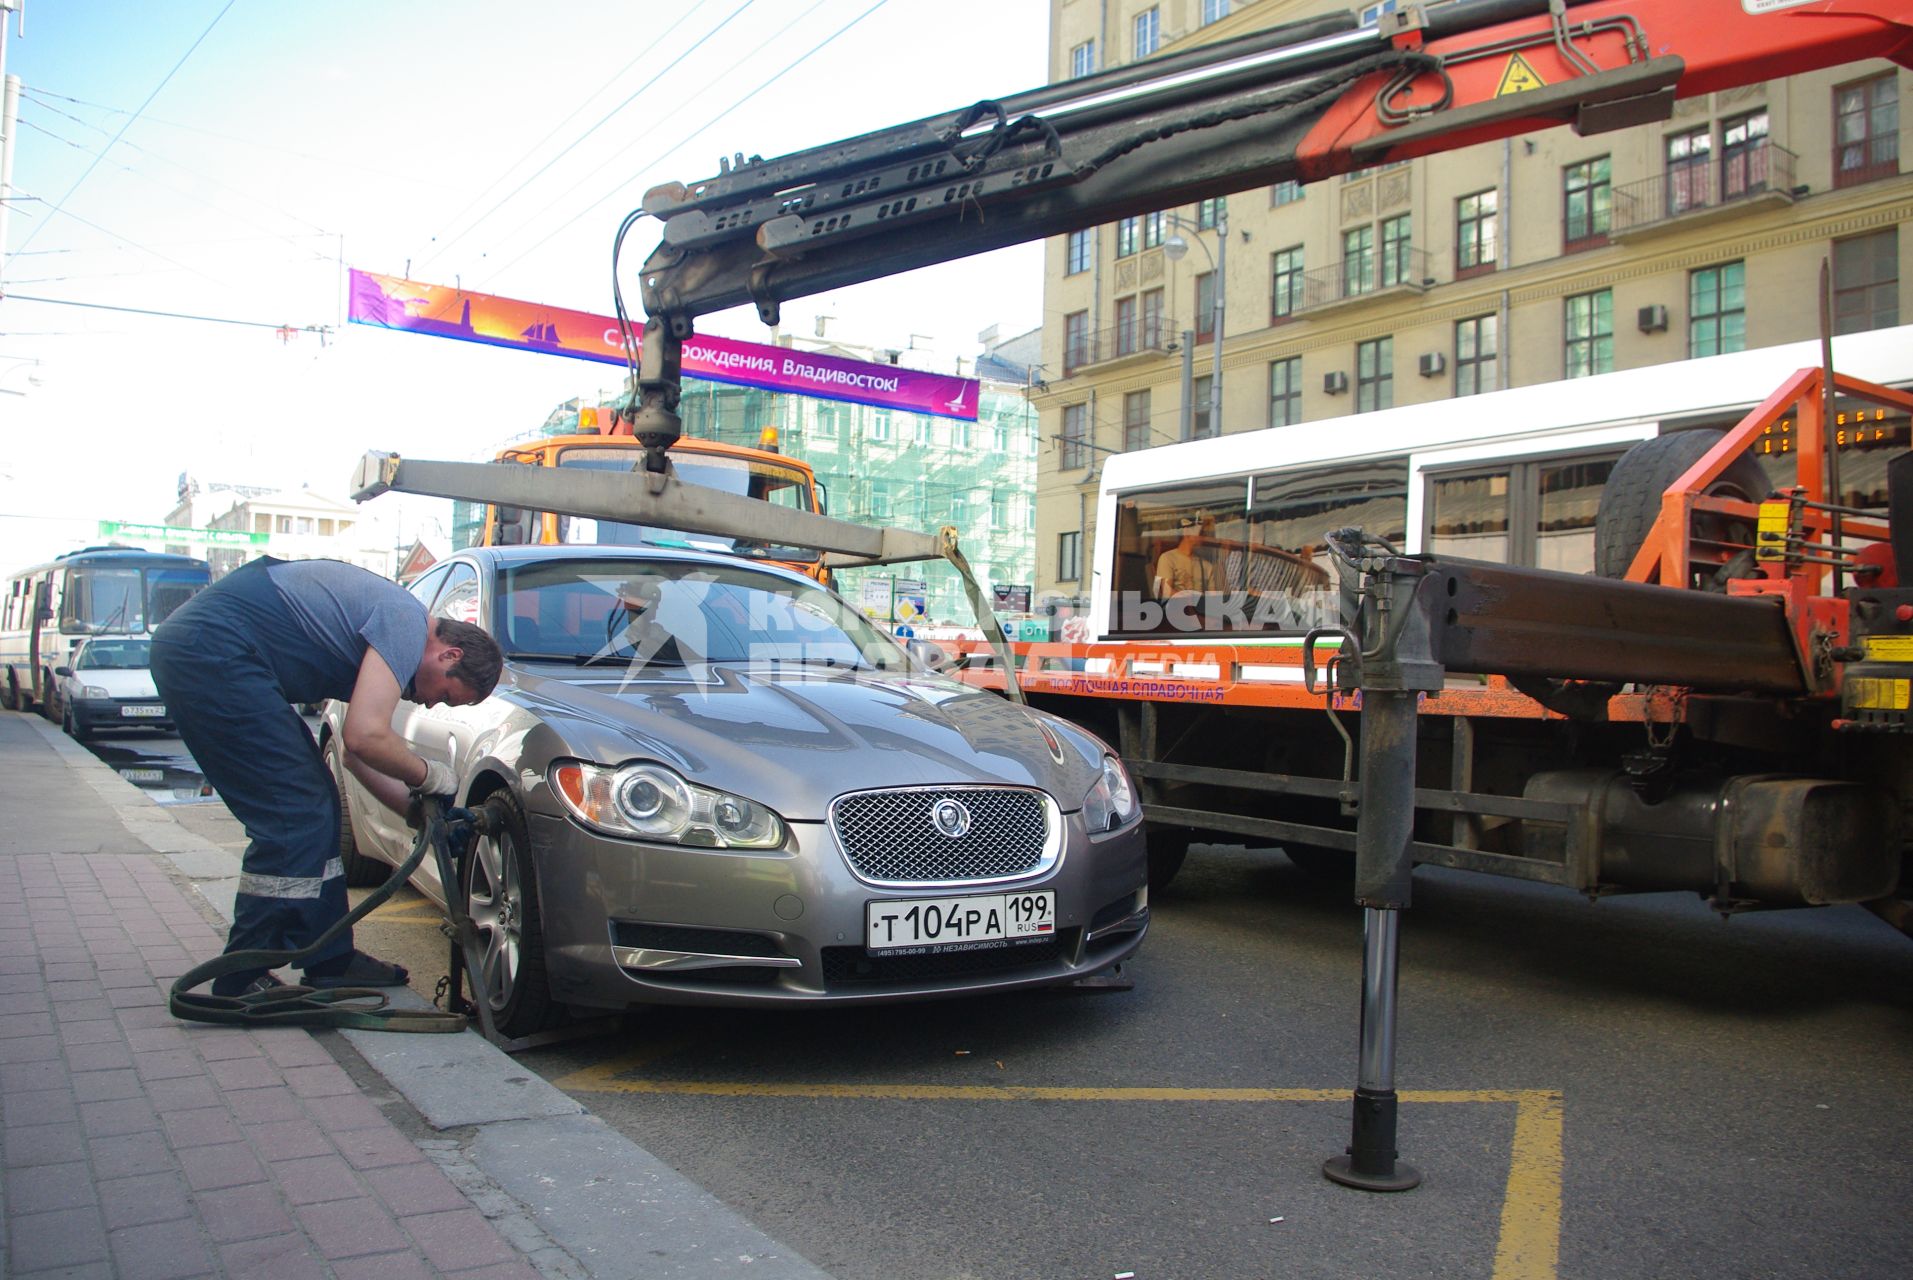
{"type": "Point", "coordinates": [716, 782]}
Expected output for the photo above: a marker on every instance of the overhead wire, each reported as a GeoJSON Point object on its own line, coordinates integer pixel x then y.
{"type": "Point", "coordinates": [533, 149]}
{"type": "Point", "coordinates": [134, 244]}
{"type": "Point", "coordinates": [713, 121]}
{"type": "Point", "coordinates": [59, 206]}
{"type": "Point", "coordinates": [172, 315]}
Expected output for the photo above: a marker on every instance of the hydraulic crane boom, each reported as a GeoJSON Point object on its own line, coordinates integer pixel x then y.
{"type": "Point", "coordinates": [1303, 101]}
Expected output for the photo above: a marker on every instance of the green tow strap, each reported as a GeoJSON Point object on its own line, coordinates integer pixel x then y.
{"type": "Point", "coordinates": [362, 1008]}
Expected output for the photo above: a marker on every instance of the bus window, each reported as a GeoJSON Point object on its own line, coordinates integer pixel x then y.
{"type": "Point", "coordinates": [1531, 513]}
{"type": "Point", "coordinates": [1469, 515]}
{"type": "Point", "coordinates": [97, 598]}
{"type": "Point", "coordinates": [1291, 575]}
{"type": "Point", "coordinates": [167, 589]}
{"type": "Point", "coordinates": [1190, 525]}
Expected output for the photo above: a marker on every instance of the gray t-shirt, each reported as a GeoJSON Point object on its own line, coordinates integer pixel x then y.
{"type": "Point", "coordinates": [345, 608]}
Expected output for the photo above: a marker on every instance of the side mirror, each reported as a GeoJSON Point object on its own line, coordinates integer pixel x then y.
{"type": "Point", "coordinates": [63, 671]}
{"type": "Point", "coordinates": [928, 653]}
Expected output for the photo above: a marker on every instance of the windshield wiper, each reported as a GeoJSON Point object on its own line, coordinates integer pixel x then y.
{"type": "Point", "coordinates": [834, 664]}
{"type": "Point", "coordinates": [627, 659]}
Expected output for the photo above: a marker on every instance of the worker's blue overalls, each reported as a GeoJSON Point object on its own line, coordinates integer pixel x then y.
{"type": "Point", "coordinates": [229, 663]}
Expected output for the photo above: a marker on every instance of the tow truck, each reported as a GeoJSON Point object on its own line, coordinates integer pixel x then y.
{"type": "Point", "coordinates": [1789, 773]}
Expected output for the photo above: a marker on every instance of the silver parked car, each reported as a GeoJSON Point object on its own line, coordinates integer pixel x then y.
{"type": "Point", "coordinates": [718, 783]}
{"type": "Point", "coordinates": [108, 684]}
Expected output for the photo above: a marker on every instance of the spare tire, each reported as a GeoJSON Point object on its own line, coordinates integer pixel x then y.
{"type": "Point", "coordinates": [1631, 499]}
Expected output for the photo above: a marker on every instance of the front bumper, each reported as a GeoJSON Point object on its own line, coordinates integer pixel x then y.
{"type": "Point", "coordinates": [629, 923]}
{"type": "Point", "coordinates": [119, 713]}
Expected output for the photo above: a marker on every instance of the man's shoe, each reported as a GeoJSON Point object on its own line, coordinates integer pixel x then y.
{"type": "Point", "coordinates": [357, 970]}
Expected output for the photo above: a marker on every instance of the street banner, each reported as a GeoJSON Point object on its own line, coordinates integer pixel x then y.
{"type": "Point", "coordinates": [177, 533]}
{"type": "Point", "coordinates": [876, 597]}
{"type": "Point", "coordinates": [391, 303]}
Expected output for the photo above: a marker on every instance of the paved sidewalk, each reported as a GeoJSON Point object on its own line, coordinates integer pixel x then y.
{"type": "Point", "coordinates": [140, 1147]}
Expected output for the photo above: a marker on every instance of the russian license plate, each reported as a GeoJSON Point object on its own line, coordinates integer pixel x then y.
{"type": "Point", "coordinates": [950, 924]}
{"type": "Point", "coordinates": [143, 775]}
{"type": "Point", "coordinates": [144, 712]}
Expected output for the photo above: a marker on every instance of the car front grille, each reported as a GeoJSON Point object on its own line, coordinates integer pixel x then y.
{"type": "Point", "coordinates": [891, 837]}
{"type": "Point", "coordinates": [855, 967]}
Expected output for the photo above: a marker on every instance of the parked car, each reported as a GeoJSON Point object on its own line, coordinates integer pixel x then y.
{"type": "Point", "coordinates": [716, 782]}
{"type": "Point", "coordinates": [109, 686]}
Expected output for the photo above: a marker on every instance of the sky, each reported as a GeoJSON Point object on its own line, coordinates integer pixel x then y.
{"type": "Point", "coordinates": [229, 159]}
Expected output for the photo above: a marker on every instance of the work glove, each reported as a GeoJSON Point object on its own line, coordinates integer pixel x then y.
{"type": "Point", "coordinates": [439, 780]}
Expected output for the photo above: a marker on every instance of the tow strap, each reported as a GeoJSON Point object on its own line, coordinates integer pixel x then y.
{"type": "Point", "coordinates": [360, 1008]}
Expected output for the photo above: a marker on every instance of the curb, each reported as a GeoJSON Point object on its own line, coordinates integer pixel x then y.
{"type": "Point", "coordinates": [610, 1205]}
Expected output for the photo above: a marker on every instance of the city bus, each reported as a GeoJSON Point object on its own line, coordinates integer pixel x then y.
{"type": "Point", "coordinates": [50, 608]}
{"type": "Point", "coordinates": [1512, 476]}
{"type": "Point", "coordinates": [757, 473]}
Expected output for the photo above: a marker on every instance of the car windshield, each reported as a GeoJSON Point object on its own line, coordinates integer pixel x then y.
{"type": "Point", "coordinates": [114, 655]}
{"type": "Point", "coordinates": [651, 611]}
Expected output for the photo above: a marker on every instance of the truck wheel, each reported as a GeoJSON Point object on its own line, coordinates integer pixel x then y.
{"type": "Point", "coordinates": [1168, 849]}
{"type": "Point", "coordinates": [1631, 502]}
{"type": "Point", "coordinates": [501, 896]}
{"type": "Point", "coordinates": [361, 870]}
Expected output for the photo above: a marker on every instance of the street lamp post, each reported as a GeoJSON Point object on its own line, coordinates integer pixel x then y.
{"type": "Point", "coordinates": [1176, 247]}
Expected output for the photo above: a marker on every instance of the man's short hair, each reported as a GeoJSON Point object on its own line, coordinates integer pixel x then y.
{"type": "Point", "coordinates": [480, 660]}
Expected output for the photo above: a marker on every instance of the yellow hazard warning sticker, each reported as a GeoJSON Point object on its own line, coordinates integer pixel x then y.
{"type": "Point", "coordinates": [1518, 76]}
{"type": "Point", "coordinates": [1890, 648]}
{"type": "Point", "coordinates": [1877, 695]}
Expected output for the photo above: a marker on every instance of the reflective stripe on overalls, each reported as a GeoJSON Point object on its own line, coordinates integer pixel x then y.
{"type": "Point", "coordinates": [229, 663]}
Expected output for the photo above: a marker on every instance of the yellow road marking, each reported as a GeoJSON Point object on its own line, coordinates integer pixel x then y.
{"type": "Point", "coordinates": [1529, 1243]}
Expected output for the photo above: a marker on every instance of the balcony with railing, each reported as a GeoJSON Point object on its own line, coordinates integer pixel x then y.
{"type": "Point", "coordinates": [1741, 180]}
{"type": "Point", "coordinates": [1393, 271]}
{"type": "Point", "coordinates": [1146, 336]}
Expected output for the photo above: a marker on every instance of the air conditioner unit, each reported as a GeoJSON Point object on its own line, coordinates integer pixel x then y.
{"type": "Point", "coordinates": [1434, 364]}
{"type": "Point", "coordinates": [1335, 382]}
{"type": "Point", "coordinates": [1651, 319]}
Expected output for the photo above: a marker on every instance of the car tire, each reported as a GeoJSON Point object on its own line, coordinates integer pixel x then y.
{"type": "Point", "coordinates": [501, 896]}
{"type": "Point", "coordinates": [74, 729]}
{"type": "Point", "coordinates": [361, 870]}
{"type": "Point", "coordinates": [1168, 850]}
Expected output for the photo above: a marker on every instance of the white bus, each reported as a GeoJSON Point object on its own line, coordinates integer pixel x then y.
{"type": "Point", "coordinates": [50, 608]}
{"type": "Point", "coordinates": [1511, 476]}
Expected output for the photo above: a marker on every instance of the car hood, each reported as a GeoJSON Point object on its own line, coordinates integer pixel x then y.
{"type": "Point", "coordinates": [795, 738]}
{"type": "Point", "coordinates": [120, 682]}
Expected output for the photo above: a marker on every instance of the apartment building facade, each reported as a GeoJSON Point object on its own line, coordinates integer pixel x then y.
{"type": "Point", "coordinates": [1533, 260]}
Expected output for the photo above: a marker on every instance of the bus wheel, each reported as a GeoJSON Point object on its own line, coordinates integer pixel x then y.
{"type": "Point", "coordinates": [1631, 503]}
{"type": "Point", "coordinates": [13, 694]}
{"type": "Point", "coordinates": [1168, 850]}
{"type": "Point", "coordinates": [46, 703]}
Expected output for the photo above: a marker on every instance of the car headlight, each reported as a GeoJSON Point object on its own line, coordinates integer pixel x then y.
{"type": "Point", "coordinates": [1112, 801]}
{"type": "Point", "coordinates": [650, 802]}
{"type": "Point", "coordinates": [94, 691]}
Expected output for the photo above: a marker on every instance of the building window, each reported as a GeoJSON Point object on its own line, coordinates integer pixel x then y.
{"type": "Point", "coordinates": [1152, 319]}
{"type": "Point", "coordinates": [1476, 349]}
{"type": "Point", "coordinates": [1201, 421]}
{"type": "Point", "coordinates": [285, 524]}
{"type": "Point", "coordinates": [1127, 231]}
{"type": "Point", "coordinates": [1717, 309]}
{"type": "Point", "coordinates": [1074, 455]}
{"type": "Point", "coordinates": [302, 525]}
{"type": "Point", "coordinates": [1358, 261]}
{"type": "Point", "coordinates": [1396, 265]}
{"type": "Point", "coordinates": [1214, 11]}
{"type": "Point", "coordinates": [1589, 329]}
{"type": "Point", "coordinates": [1744, 156]}
{"type": "Point", "coordinates": [880, 424]}
{"type": "Point", "coordinates": [1206, 306]}
{"type": "Point", "coordinates": [1587, 193]}
{"type": "Point", "coordinates": [1209, 212]}
{"type": "Point", "coordinates": [1866, 282]}
{"type": "Point", "coordinates": [1077, 254]}
{"type": "Point", "coordinates": [1866, 130]}
{"type": "Point", "coordinates": [1136, 420]}
{"type": "Point", "coordinates": [1069, 556]}
{"type": "Point", "coordinates": [1082, 59]}
{"type": "Point", "coordinates": [1475, 222]}
{"type": "Point", "coordinates": [1286, 295]}
{"type": "Point", "coordinates": [1374, 374]}
{"type": "Point", "coordinates": [1000, 437]}
{"type": "Point", "coordinates": [879, 500]}
{"type": "Point", "coordinates": [1285, 391]}
{"type": "Point", "coordinates": [999, 509]}
{"type": "Point", "coordinates": [1148, 32]}
{"type": "Point", "coordinates": [1372, 13]}
{"type": "Point", "coordinates": [1689, 158]}
{"type": "Point", "coordinates": [1151, 230]}
{"type": "Point", "coordinates": [1284, 193]}
{"type": "Point", "coordinates": [1075, 341]}
{"type": "Point", "coordinates": [959, 434]}
{"type": "Point", "coordinates": [1126, 326]}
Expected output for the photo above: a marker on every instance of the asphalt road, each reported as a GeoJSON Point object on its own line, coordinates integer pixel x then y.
{"type": "Point", "coordinates": [1635, 1088]}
